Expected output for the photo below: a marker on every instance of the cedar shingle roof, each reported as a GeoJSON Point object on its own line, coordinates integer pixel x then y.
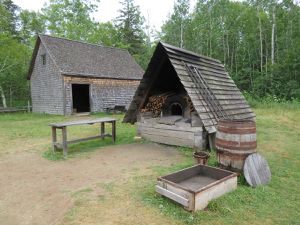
{"type": "Point", "coordinates": [83, 59]}
{"type": "Point", "coordinates": [222, 87]}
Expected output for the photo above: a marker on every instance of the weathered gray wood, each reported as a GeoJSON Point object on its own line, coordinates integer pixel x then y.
{"type": "Point", "coordinates": [169, 140]}
{"type": "Point", "coordinates": [152, 123]}
{"type": "Point", "coordinates": [198, 184]}
{"type": "Point", "coordinates": [167, 133]}
{"type": "Point", "coordinates": [89, 138]}
{"type": "Point", "coordinates": [169, 120]}
{"type": "Point", "coordinates": [177, 198]}
{"type": "Point", "coordinates": [195, 120]}
{"type": "Point", "coordinates": [113, 131]}
{"type": "Point", "coordinates": [64, 141]}
{"type": "Point", "coordinates": [63, 126]}
{"type": "Point", "coordinates": [256, 170]}
{"type": "Point", "coordinates": [102, 129]}
{"type": "Point", "coordinates": [82, 122]}
{"type": "Point", "coordinates": [54, 138]}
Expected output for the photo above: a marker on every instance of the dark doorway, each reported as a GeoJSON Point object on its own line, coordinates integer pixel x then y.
{"type": "Point", "coordinates": [176, 109]}
{"type": "Point", "coordinates": [81, 97]}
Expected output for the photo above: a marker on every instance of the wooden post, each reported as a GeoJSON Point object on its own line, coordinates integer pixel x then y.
{"type": "Point", "coordinates": [113, 129]}
{"type": "Point", "coordinates": [102, 130]}
{"type": "Point", "coordinates": [54, 139]}
{"type": "Point", "coordinates": [28, 106]}
{"type": "Point", "coordinates": [64, 141]}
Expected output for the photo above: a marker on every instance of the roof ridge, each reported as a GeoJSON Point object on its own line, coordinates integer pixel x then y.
{"type": "Point", "coordinates": [83, 42]}
{"type": "Point", "coordinates": [189, 52]}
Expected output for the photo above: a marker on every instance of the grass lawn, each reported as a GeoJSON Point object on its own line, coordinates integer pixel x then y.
{"type": "Point", "coordinates": [278, 130]}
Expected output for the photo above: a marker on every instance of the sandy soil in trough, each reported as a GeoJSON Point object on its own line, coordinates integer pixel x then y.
{"type": "Point", "coordinates": [35, 191]}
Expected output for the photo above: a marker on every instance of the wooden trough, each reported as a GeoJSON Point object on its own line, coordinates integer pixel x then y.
{"type": "Point", "coordinates": [195, 186]}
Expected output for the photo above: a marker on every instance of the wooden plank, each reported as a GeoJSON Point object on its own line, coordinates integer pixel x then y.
{"type": "Point", "coordinates": [199, 61]}
{"type": "Point", "coordinates": [167, 133]}
{"type": "Point", "coordinates": [82, 122]}
{"type": "Point", "coordinates": [152, 123]}
{"type": "Point", "coordinates": [193, 88]}
{"type": "Point", "coordinates": [221, 74]}
{"type": "Point", "coordinates": [183, 52]}
{"type": "Point", "coordinates": [54, 138]}
{"type": "Point", "coordinates": [88, 138]}
{"type": "Point", "coordinates": [113, 124]}
{"type": "Point", "coordinates": [188, 54]}
{"type": "Point", "coordinates": [175, 197]}
{"type": "Point", "coordinates": [64, 141]}
{"type": "Point", "coordinates": [256, 170]}
{"type": "Point", "coordinates": [207, 75]}
{"type": "Point", "coordinates": [102, 129]}
{"type": "Point", "coordinates": [187, 81]}
{"type": "Point", "coordinates": [203, 198]}
{"type": "Point", "coordinates": [168, 140]}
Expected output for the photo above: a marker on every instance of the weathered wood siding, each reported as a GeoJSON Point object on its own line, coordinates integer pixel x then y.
{"type": "Point", "coordinates": [104, 93]}
{"type": "Point", "coordinates": [46, 85]}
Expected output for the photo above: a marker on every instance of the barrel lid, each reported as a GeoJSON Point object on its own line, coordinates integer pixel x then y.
{"type": "Point", "coordinates": [256, 170]}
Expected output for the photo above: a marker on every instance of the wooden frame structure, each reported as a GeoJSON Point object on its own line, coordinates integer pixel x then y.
{"type": "Point", "coordinates": [196, 186]}
{"type": "Point", "coordinates": [63, 126]}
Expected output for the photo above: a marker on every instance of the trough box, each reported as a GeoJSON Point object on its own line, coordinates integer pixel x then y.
{"type": "Point", "coordinates": [195, 186]}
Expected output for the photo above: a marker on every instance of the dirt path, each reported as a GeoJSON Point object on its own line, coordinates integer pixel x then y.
{"type": "Point", "coordinates": [37, 191]}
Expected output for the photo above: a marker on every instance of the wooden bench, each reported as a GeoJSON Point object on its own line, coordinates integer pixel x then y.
{"type": "Point", "coordinates": [63, 126]}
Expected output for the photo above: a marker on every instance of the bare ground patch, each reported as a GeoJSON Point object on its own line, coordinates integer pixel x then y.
{"type": "Point", "coordinates": [37, 191]}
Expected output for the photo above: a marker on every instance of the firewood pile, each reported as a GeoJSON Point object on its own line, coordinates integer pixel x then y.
{"type": "Point", "coordinates": [156, 102]}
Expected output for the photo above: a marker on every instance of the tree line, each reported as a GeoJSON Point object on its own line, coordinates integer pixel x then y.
{"type": "Point", "coordinates": [258, 41]}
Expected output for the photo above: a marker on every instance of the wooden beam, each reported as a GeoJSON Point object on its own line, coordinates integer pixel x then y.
{"type": "Point", "coordinates": [177, 198]}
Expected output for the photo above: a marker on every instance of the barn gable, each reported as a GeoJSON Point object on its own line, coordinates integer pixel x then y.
{"type": "Point", "coordinates": [76, 58]}
{"type": "Point", "coordinates": [213, 93]}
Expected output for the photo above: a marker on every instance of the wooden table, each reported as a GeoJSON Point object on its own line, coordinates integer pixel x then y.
{"type": "Point", "coordinates": [63, 126]}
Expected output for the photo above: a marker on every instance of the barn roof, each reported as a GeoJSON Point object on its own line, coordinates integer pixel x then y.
{"type": "Point", "coordinates": [76, 58]}
{"type": "Point", "coordinates": [213, 93]}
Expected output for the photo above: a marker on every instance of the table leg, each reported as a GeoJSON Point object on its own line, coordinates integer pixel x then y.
{"type": "Point", "coordinates": [54, 139]}
{"type": "Point", "coordinates": [102, 130]}
{"type": "Point", "coordinates": [64, 141]}
{"type": "Point", "coordinates": [113, 128]}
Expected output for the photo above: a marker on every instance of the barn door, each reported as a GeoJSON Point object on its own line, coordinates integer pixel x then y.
{"type": "Point", "coordinates": [81, 97]}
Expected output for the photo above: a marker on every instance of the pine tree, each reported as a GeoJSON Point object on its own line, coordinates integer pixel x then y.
{"type": "Point", "coordinates": [130, 24]}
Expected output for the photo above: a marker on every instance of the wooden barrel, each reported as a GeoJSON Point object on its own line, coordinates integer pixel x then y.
{"type": "Point", "coordinates": [235, 140]}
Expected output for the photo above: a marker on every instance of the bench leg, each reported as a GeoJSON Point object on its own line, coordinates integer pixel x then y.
{"type": "Point", "coordinates": [102, 130]}
{"type": "Point", "coordinates": [64, 141]}
{"type": "Point", "coordinates": [113, 129]}
{"type": "Point", "coordinates": [54, 139]}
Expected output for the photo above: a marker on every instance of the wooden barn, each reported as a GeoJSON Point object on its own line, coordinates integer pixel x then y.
{"type": "Point", "coordinates": [181, 97]}
{"type": "Point", "coordinates": [69, 76]}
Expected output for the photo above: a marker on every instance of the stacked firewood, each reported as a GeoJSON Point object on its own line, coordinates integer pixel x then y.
{"type": "Point", "coordinates": [155, 103]}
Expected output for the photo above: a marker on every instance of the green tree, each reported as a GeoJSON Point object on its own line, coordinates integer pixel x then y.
{"type": "Point", "coordinates": [13, 66]}
{"type": "Point", "coordinates": [258, 41]}
{"type": "Point", "coordinates": [130, 24]}
{"type": "Point", "coordinates": [32, 24]}
{"type": "Point", "coordinates": [9, 17]}
{"type": "Point", "coordinates": [174, 30]}
{"type": "Point", "coordinates": [106, 34]}
{"type": "Point", "coordinates": [70, 18]}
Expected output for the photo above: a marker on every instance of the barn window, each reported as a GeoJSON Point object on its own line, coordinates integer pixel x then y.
{"type": "Point", "coordinates": [43, 59]}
